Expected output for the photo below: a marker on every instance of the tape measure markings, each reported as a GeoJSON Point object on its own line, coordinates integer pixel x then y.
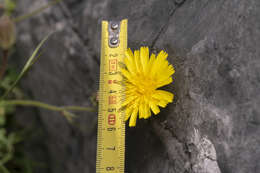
{"type": "Point", "coordinates": [111, 126]}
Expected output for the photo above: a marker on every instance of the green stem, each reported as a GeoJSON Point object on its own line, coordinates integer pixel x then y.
{"type": "Point", "coordinates": [23, 17]}
{"type": "Point", "coordinates": [44, 105]}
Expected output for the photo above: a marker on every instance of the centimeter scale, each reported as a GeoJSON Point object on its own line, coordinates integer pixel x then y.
{"type": "Point", "coordinates": [111, 125]}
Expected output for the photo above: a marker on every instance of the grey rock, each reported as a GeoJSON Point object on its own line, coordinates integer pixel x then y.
{"type": "Point", "coordinates": [213, 124]}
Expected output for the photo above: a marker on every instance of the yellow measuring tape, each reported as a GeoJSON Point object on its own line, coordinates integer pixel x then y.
{"type": "Point", "coordinates": [111, 126]}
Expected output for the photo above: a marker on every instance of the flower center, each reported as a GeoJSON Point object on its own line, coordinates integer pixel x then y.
{"type": "Point", "coordinates": [145, 86]}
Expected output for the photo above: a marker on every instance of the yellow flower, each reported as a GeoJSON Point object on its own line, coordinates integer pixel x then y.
{"type": "Point", "coordinates": [143, 76]}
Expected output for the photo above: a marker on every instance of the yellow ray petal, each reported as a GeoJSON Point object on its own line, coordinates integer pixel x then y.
{"type": "Point", "coordinates": [129, 54]}
{"type": "Point", "coordinates": [133, 118]}
{"type": "Point", "coordinates": [128, 113]}
{"type": "Point", "coordinates": [163, 103]}
{"type": "Point", "coordinates": [141, 111]}
{"type": "Point", "coordinates": [165, 82]}
{"type": "Point", "coordinates": [144, 57]}
{"type": "Point", "coordinates": [171, 70]}
{"type": "Point", "coordinates": [154, 107]}
{"type": "Point", "coordinates": [128, 100]}
{"type": "Point", "coordinates": [165, 73]}
{"type": "Point", "coordinates": [147, 111]}
{"type": "Point", "coordinates": [159, 62]}
{"type": "Point", "coordinates": [130, 66]}
{"type": "Point", "coordinates": [128, 75]}
{"type": "Point", "coordinates": [162, 55]}
{"type": "Point", "coordinates": [137, 61]}
{"type": "Point", "coordinates": [163, 95]}
{"type": "Point", "coordinates": [151, 60]}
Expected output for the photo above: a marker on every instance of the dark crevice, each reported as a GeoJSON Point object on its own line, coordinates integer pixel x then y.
{"type": "Point", "coordinates": [178, 4]}
{"type": "Point", "coordinates": [208, 157]}
{"type": "Point", "coordinates": [166, 128]}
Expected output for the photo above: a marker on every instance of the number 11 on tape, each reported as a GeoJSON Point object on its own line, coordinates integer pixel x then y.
{"type": "Point", "coordinates": [111, 126]}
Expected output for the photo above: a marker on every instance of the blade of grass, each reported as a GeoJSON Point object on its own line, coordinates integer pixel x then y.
{"type": "Point", "coordinates": [38, 56]}
{"type": "Point", "coordinates": [27, 66]}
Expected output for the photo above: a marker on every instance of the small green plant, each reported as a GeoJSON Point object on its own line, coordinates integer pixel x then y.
{"type": "Point", "coordinates": [12, 161]}
{"type": "Point", "coordinates": [8, 142]}
{"type": "Point", "coordinates": [12, 97]}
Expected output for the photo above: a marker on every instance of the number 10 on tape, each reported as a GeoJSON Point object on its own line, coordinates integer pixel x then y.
{"type": "Point", "coordinates": [111, 126]}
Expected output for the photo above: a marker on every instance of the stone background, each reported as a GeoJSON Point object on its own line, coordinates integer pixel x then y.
{"type": "Point", "coordinates": [213, 125]}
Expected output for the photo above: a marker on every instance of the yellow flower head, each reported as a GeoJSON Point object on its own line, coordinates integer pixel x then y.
{"type": "Point", "coordinates": [143, 77]}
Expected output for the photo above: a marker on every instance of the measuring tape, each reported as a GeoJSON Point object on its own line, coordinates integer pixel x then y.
{"type": "Point", "coordinates": [111, 125]}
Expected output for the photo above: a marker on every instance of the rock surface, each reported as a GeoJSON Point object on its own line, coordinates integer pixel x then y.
{"type": "Point", "coordinates": [213, 125]}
